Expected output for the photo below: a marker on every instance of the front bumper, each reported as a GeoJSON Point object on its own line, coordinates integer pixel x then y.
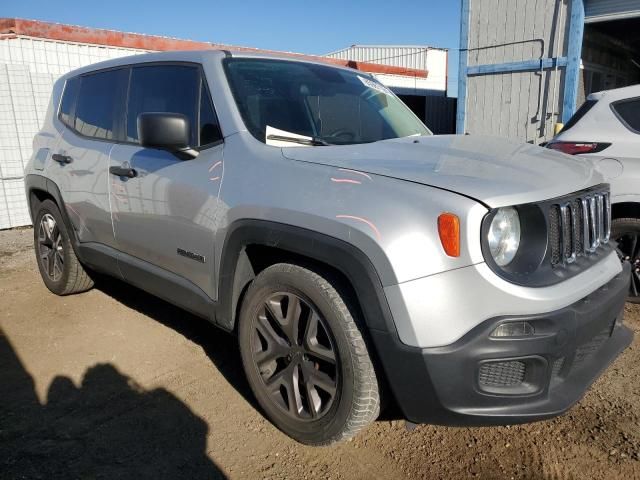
{"type": "Point", "coordinates": [483, 380]}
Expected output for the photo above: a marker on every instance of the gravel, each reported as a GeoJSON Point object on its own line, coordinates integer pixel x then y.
{"type": "Point", "coordinates": [114, 383]}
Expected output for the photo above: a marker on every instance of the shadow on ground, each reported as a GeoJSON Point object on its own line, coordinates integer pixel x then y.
{"type": "Point", "coordinates": [220, 346]}
{"type": "Point", "coordinates": [108, 427]}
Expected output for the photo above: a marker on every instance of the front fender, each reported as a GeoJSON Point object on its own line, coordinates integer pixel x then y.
{"type": "Point", "coordinates": [347, 259]}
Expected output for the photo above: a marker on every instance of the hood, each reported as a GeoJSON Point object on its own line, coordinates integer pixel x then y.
{"type": "Point", "coordinates": [495, 171]}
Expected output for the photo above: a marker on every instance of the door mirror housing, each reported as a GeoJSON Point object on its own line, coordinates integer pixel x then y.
{"type": "Point", "coordinates": [166, 131]}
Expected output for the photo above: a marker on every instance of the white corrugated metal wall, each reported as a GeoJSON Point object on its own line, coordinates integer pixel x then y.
{"type": "Point", "coordinates": [28, 69]}
{"type": "Point", "coordinates": [392, 55]}
{"type": "Point", "coordinates": [434, 60]}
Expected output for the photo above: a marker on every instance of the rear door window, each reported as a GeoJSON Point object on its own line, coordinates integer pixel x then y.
{"type": "Point", "coordinates": [164, 88]}
{"type": "Point", "coordinates": [628, 111]}
{"type": "Point", "coordinates": [100, 102]}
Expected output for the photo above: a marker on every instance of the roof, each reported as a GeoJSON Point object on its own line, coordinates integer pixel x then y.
{"type": "Point", "coordinates": [631, 91]}
{"type": "Point", "coordinates": [194, 56]}
{"type": "Point", "coordinates": [14, 27]}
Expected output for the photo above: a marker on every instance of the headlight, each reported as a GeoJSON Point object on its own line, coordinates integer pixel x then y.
{"type": "Point", "coordinates": [504, 235]}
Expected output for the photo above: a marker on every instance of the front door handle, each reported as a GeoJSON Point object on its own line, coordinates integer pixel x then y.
{"type": "Point", "coordinates": [123, 172]}
{"type": "Point", "coordinates": [61, 159]}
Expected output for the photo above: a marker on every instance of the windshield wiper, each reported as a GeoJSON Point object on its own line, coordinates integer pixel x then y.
{"type": "Point", "coordinates": [313, 141]}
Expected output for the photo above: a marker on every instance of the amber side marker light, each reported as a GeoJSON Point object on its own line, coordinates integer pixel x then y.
{"type": "Point", "coordinates": [449, 231]}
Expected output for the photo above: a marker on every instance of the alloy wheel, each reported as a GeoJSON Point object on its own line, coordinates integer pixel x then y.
{"type": "Point", "coordinates": [628, 250]}
{"type": "Point", "coordinates": [50, 249]}
{"type": "Point", "coordinates": [295, 354]}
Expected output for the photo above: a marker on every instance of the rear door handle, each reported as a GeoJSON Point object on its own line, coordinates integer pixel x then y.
{"type": "Point", "coordinates": [61, 159]}
{"type": "Point", "coordinates": [123, 172]}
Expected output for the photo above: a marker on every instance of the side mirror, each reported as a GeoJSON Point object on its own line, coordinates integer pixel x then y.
{"type": "Point", "coordinates": [166, 131]}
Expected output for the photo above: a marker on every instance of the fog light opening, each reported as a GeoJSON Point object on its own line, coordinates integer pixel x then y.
{"type": "Point", "coordinates": [514, 329]}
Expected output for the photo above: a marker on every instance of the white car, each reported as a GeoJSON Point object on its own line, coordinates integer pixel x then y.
{"type": "Point", "coordinates": [606, 129]}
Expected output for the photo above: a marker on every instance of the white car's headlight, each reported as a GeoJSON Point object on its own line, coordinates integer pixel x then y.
{"type": "Point", "coordinates": [504, 235]}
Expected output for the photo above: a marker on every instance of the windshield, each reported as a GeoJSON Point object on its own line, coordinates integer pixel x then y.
{"type": "Point", "coordinates": [307, 104]}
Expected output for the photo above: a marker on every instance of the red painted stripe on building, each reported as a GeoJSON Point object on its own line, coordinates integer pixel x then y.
{"type": "Point", "coordinates": [112, 38]}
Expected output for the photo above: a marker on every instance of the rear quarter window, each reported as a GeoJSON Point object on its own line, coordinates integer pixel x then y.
{"type": "Point", "coordinates": [628, 112]}
{"type": "Point", "coordinates": [68, 102]}
{"type": "Point", "coordinates": [581, 112]}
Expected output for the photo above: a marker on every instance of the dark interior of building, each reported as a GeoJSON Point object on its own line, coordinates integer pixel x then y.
{"type": "Point", "coordinates": [611, 55]}
{"type": "Point", "coordinates": [438, 112]}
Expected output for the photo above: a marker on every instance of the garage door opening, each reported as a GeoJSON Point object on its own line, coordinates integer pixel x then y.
{"type": "Point", "coordinates": [610, 55]}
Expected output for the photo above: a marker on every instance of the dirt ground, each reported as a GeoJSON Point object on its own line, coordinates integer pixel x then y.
{"type": "Point", "coordinates": [114, 383]}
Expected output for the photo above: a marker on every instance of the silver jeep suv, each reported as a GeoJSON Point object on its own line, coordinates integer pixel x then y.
{"type": "Point", "coordinates": [356, 257]}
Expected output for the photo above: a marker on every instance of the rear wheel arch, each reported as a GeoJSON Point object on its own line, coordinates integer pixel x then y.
{"type": "Point", "coordinates": [37, 192]}
{"type": "Point", "coordinates": [60, 269]}
{"type": "Point", "coordinates": [36, 197]}
{"type": "Point", "coordinates": [41, 188]}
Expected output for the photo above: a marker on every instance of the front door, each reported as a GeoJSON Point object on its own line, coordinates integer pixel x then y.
{"type": "Point", "coordinates": [165, 215]}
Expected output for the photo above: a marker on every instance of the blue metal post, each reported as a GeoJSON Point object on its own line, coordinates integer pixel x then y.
{"type": "Point", "coordinates": [462, 69]}
{"type": "Point", "coordinates": [574, 55]}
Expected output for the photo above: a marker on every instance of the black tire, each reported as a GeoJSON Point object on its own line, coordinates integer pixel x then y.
{"type": "Point", "coordinates": [626, 232]}
{"type": "Point", "coordinates": [318, 418]}
{"type": "Point", "coordinates": [59, 267]}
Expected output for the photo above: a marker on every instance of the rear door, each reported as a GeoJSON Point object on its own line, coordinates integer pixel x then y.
{"type": "Point", "coordinates": [90, 110]}
{"type": "Point", "coordinates": [167, 214]}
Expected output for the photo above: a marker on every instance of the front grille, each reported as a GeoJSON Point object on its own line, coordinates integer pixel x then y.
{"type": "Point", "coordinates": [502, 374]}
{"type": "Point", "coordinates": [578, 226]}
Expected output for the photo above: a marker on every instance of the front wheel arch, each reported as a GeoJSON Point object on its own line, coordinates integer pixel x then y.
{"type": "Point", "coordinates": [252, 245]}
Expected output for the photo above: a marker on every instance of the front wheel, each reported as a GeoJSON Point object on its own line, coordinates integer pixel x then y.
{"type": "Point", "coordinates": [626, 231]}
{"type": "Point", "coordinates": [305, 357]}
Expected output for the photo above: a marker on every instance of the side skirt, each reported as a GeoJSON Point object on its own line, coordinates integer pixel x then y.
{"type": "Point", "coordinates": [150, 278]}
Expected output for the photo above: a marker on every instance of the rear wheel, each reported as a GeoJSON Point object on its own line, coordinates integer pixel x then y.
{"type": "Point", "coordinates": [305, 357]}
{"type": "Point", "coordinates": [59, 267]}
{"type": "Point", "coordinates": [626, 231]}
